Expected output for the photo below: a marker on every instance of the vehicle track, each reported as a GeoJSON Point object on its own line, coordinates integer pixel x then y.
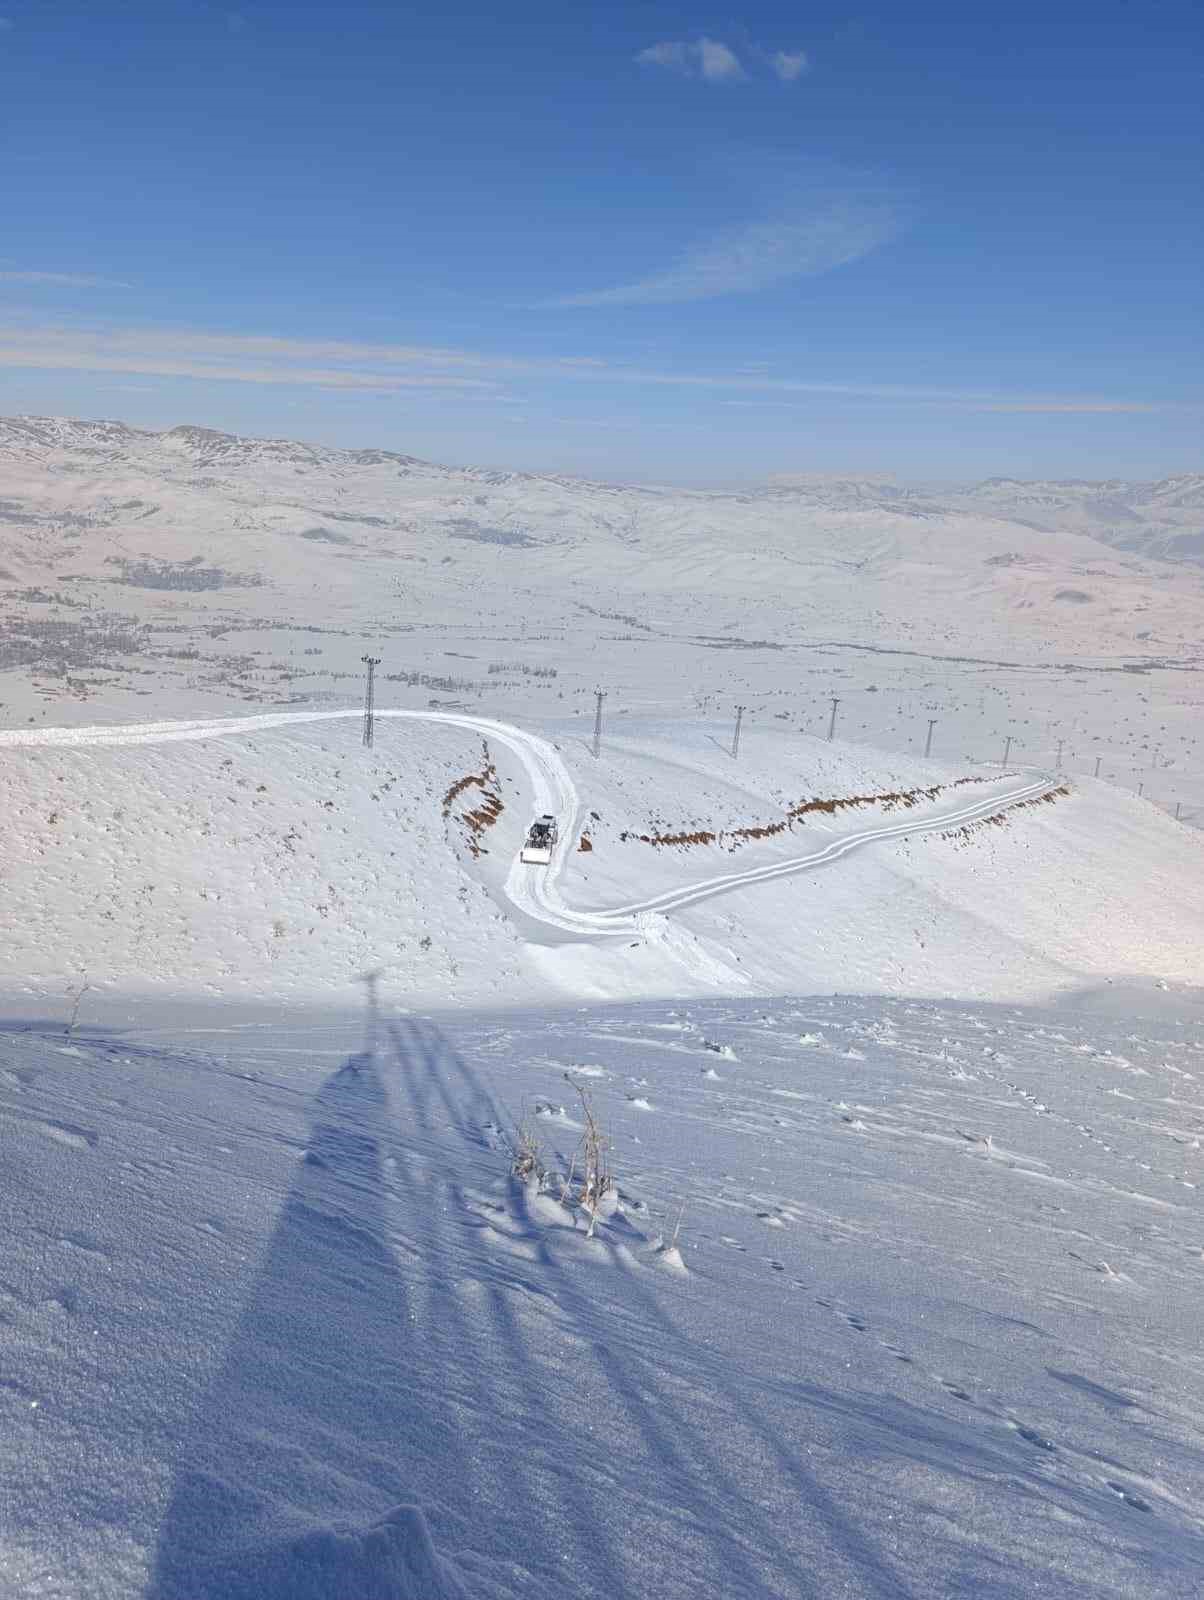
{"type": "Point", "coordinates": [535, 890]}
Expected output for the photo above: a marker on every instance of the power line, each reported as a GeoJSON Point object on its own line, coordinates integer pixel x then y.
{"type": "Point", "coordinates": [371, 662]}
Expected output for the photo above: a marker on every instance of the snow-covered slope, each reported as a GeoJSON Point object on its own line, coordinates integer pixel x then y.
{"type": "Point", "coordinates": [252, 860]}
{"type": "Point", "coordinates": [894, 1293]}
{"type": "Point", "coordinates": [277, 1324]}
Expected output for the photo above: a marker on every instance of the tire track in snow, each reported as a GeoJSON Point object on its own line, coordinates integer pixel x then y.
{"type": "Point", "coordinates": [535, 891]}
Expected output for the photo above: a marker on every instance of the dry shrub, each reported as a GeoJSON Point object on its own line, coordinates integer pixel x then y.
{"type": "Point", "coordinates": [597, 1181]}
{"type": "Point", "coordinates": [526, 1153]}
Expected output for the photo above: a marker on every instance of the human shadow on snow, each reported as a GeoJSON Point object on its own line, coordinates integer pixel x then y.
{"type": "Point", "coordinates": [298, 1478]}
{"type": "Point", "coordinates": [432, 1393]}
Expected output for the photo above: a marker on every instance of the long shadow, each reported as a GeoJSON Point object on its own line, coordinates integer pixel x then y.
{"type": "Point", "coordinates": [296, 1481]}
{"type": "Point", "coordinates": [741, 1550]}
{"type": "Point", "coordinates": [355, 1386]}
{"type": "Point", "coordinates": [735, 1545]}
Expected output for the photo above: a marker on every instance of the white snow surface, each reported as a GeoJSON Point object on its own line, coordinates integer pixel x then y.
{"type": "Point", "coordinates": [276, 1321]}
{"type": "Point", "coordinates": [896, 1293]}
{"type": "Point", "coordinates": [274, 856]}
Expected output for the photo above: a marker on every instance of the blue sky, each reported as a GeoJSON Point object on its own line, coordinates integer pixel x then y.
{"type": "Point", "coordinates": [631, 241]}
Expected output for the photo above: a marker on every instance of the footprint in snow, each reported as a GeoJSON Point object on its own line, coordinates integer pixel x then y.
{"type": "Point", "coordinates": [66, 1133]}
{"type": "Point", "coordinates": [1031, 1436]}
{"type": "Point", "coordinates": [897, 1353]}
{"type": "Point", "coordinates": [1127, 1495]}
{"type": "Point", "coordinates": [638, 1102]}
{"type": "Point", "coordinates": [956, 1391]}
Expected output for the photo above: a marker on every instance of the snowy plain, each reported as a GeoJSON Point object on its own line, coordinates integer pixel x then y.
{"type": "Point", "coordinates": [900, 1059]}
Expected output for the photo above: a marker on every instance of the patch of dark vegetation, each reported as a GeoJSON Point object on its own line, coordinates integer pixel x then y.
{"type": "Point", "coordinates": [616, 616]}
{"type": "Point", "coordinates": [57, 648]}
{"type": "Point", "coordinates": [325, 536]}
{"type": "Point", "coordinates": [521, 666]}
{"type": "Point", "coordinates": [180, 575]}
{"type": "Point", "coordinates": [431, 680]}
{"type": "Point", "coordinates": [480, 533]}
{"type": "Point", "coordinates": [44, 597]}
{"type": "Point", "coordinates": [711, 642]}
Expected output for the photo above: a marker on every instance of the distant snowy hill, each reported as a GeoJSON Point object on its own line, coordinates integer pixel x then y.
{"type": "Point", "coordinates": [191, 569]}
{"type": "Point", "coordinates": [191, 509]}
{"type": "Point", "coordinates": [1163, 520]}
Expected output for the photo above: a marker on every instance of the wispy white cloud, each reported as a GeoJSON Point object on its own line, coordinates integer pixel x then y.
{"type": "Point", "coordinates": [789, 64]}
{"type": "Point", "coordinates": [328, 364]}
{"type": "Point", "coordinates": [954, 400]}
{"type": "Point", "coordinates": [63, 280]}
{"type": "Point", "coordinates": [347, 365]}
{"type": "Point", "coordinates": [710, 59]}
{"type": "Point", "coordinates": [813, 236]}
{"type": "Point", "coordinates": [716, 62]}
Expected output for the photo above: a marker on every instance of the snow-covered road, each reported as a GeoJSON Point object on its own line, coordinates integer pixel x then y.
{"type": "Point", "coordinates": [535, 891]}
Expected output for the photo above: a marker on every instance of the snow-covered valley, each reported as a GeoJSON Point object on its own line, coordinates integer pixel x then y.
{"type": "Point", "coordinates": [896, 1057]}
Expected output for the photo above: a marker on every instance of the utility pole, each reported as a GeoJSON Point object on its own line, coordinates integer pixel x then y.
{"type": "Point", "coordinates": [371, 662]}
{"type": "Point", "coordinates": [928, 741]}
{"type": "Point", "coordinates": [832, 720]}
{"type": "Point", "coordinates": [1061, 743]}
{"type": "Point", "coordinates": [1098, 759]}
{"type": "Point", "coordinates": [600, 695]}
{"type": "Point", "coordinates": [1007, 751]}
{"type": "Point", "coordinates": [736, 736]}
{"type": "Point", "coordinates": [1178, 809]}
{"type": "Point", "coordinates": [1140, 790]}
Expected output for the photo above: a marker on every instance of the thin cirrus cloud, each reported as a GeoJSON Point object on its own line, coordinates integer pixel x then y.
{"type": "Point", "coordinates": [812, 239]}
{"type": "Point", "coordinates": [62, 280]}
{"type": "Point", "coordinates": [332, 364]}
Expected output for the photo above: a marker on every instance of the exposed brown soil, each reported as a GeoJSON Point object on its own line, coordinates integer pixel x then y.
{"type": "Point", "coordinates": [482, 816]}
{"type": "Point", "coordinates": [887, 800]}
{"type": "Point", "coordinates": [998, 819]}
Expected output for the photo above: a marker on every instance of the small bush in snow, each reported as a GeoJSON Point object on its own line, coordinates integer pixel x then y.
{"type": "Point", "coordinates": [526, 1154]}
{"type": "Point", "coordinates": [597, 1181]}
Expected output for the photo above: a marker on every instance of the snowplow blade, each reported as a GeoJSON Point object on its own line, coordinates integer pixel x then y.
{"type": "Point", "coordinates": [536, 855]}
